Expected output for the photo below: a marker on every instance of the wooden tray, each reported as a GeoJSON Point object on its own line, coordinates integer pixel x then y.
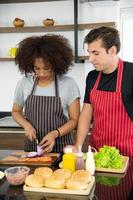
{"type": "Point", "coordinates": [53, 196]}
{"type": "Point", "coordinates": [13, 159]}
{"type": "Point", "coordinates": [123, 170]}
{"type": "Point", "coordinates": [62, 191]}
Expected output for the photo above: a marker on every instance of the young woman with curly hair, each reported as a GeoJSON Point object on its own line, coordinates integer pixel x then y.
{"type": "Point", "coordinates": [49, 99]}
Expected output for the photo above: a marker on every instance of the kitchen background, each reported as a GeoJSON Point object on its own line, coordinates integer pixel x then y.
{"type": "Point", "coordinates": [62, 12]}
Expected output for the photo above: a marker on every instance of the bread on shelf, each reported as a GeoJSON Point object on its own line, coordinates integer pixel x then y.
{"type": "Point", "coordinates": [18, 22]}
{"type": "Point", "coordinates": [48, 22]}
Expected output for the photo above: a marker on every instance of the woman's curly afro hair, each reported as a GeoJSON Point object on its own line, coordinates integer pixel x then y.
{"type": "Point", "coordinates": [54, 49]}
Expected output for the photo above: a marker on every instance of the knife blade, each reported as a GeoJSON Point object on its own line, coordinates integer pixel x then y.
{"type": "Point", "coordinates": [37, 141]}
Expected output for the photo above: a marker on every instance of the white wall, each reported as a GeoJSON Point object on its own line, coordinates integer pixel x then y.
{"type": "Point", "coordinates": [33, 14]}
{"type": "Point", "coordinates": [126, 27]}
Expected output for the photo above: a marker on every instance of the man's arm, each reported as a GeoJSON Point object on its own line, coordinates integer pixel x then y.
{"type": "Point", "coordinates": [84, 124]}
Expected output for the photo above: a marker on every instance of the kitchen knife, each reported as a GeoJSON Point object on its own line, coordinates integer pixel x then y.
{"type": "Point", "coordinates": [37, 141]}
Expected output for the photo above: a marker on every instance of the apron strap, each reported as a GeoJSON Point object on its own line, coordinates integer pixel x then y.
{"type": "Point", "coordinates": [119, 76]}
{"type": "Point", "coordinates": [97, 81]}
{"type": "Point", "coordinates": [56, 86]}
{"type": "Point", "coordinates": [34, 86]}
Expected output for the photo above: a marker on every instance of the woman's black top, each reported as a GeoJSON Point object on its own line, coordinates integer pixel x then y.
{"type": "Point", "coordinates": [108, 83]}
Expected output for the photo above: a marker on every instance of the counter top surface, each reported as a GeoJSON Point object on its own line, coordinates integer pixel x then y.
{"type": "Point", "coordinates": [8, 121]}
{"type": "Point", "coordinates": [108, 187]}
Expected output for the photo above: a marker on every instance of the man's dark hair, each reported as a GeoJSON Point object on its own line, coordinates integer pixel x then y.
{"type": "Point", "coordinates": [108, 35]}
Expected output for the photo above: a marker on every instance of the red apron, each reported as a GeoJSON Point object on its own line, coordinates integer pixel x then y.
{"type": "Point", "coordinates": [112, 125]}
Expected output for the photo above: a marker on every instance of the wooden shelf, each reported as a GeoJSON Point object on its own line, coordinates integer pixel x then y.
{"type": "Point", "coordinates": [95, 25]}
{"type": "Point", "coordinates": [34, 29]}
{"type": "Point", "coordinates": [68, 27]}
{"type": "Point", "coordinates": [81, 58]}
{"type": "Point", "coordinates": [26, 1]}
{"type": "Point", "coordinates": [6, 59]}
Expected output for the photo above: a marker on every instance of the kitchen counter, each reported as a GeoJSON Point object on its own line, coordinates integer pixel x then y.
{"type": "Point", "coordinates": [11, 134]}
{"type": "Point", "coordinates": [108, 187]}
{"type": "Point", "coordinates": [8, 121]}
{"type": "Point", "coordinates": [11, 138]}
{"type": "Point", "coordinates": [11, 130]}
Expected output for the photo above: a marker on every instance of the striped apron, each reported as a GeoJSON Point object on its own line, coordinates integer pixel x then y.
{"type": "Point", "coordinates": [112, 125]}
{"type": "Point", "coordinates": [45, 113]}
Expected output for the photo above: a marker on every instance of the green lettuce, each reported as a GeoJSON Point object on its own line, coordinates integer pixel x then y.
{"type": "Point", "coordinates": [108, 157]}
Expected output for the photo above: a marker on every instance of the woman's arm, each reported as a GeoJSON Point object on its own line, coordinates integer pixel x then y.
{"type": "Point", "coordinates": [17, 113]}
{"type": "Point", "coordinates": [73, 111]}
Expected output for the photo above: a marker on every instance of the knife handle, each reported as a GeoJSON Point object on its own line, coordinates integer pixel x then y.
{"type": "Point", "coordinates": [37, 141]}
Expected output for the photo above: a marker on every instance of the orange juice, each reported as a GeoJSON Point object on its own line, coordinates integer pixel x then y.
{"type": "Point", "coordinates": [69, 160]}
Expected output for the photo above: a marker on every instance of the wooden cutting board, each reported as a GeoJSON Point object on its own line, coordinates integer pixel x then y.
{"type": "Point", "coordinates": [51, 196]}
{"type": "Point", "coordinates": [14, 157]}
{"type": "Point", "coordinates": [122, 170]}
{"type": "Point", "coordinates": [61, 191]}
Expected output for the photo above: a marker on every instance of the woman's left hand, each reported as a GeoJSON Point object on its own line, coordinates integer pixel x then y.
{"type": "Point", "coordinates": [48, 141]}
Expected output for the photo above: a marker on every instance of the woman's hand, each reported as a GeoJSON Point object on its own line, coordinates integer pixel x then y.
{"type": "Point", "coordinates": [48, 141]}
{"type": "Point", "coordinates": [30, 132]}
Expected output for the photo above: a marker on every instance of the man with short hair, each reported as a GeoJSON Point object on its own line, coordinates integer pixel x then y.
{"type": "Point", "coordinates": [109, 94]}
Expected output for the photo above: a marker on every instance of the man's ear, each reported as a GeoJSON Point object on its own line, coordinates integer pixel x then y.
{"type": "Point", "coordinates": [113, 50]}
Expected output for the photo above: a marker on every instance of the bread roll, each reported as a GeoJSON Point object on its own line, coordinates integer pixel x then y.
{"type": "Point", "coordinates": [18, 22]}
{"type": "Point", "coordinates": [62, 173]}
{"type": "Point", "coordinates": [76, 185]}
{"type": "Point", "coordinates": [81, 175]}
{"type": "Point", "coordinates": [55, 183]}
{"type": "Point", "coordinates": [34, 181]}
{"type": "Point", "coordinates": [45, 172]}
